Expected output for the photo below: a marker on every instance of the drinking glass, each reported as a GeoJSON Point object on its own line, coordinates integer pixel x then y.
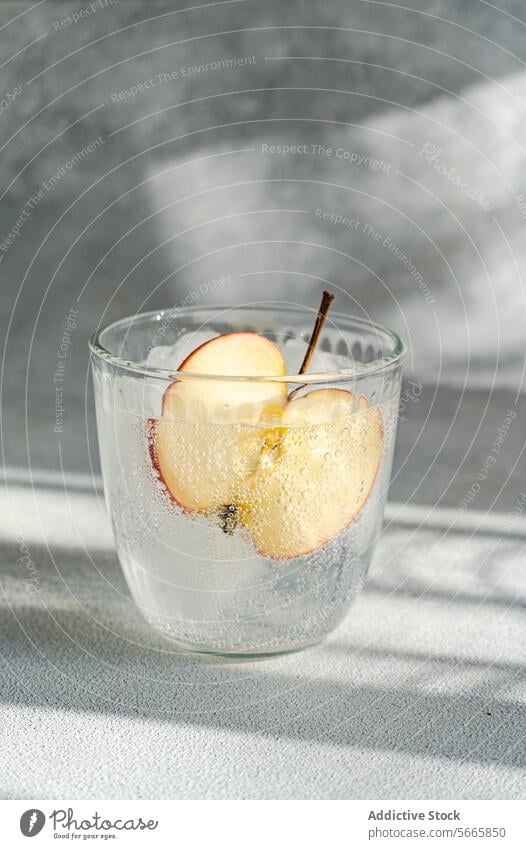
{"type": "Point", "coordinates": [276, 568]}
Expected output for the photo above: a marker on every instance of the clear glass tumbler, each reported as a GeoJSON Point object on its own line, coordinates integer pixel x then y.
{"type": "Point", "coordinates": [245, 509]}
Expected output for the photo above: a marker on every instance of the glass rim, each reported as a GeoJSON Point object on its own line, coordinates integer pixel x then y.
{"type": "Point", "coordinates": [380, 364]}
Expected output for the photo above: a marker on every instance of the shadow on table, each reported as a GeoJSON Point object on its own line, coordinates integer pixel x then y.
{"type": "Point", "coordinates": [79, 644]}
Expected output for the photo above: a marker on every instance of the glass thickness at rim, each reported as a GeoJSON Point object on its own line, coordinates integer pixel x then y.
{"type": "Point", "coordinates": [334, 320]}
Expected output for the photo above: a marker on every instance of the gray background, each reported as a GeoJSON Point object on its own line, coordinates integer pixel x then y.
{"type": "Point", "coordinates": [167, 202]}
{"type": "Point", "coordinates": [421, 693]}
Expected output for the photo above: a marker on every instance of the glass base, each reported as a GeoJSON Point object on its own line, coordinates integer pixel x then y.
{"type": "Point", "coordinates": [206, 652]}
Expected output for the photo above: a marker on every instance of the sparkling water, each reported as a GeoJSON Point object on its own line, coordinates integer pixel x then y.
{"type": "Point", "coordinates": [201, 583]}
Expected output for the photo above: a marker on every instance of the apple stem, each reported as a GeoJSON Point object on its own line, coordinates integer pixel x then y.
{"type": "Point", "coordinates": [326, 301]}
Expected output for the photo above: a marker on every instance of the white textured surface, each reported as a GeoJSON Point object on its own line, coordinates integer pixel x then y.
{"type": "Point", "coordinates": [419, 694]}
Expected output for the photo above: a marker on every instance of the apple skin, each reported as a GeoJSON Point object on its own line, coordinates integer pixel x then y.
{"type": "Point", "coordinates": [199, 448]}
{"type": "Point", "coordinates": [151, 436]}
{"type": "Point", "coordinates": [282, 538]}
{"type": "Point", "coordinates": [239, 367]}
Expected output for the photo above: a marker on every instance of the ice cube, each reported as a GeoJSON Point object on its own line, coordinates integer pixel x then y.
{"type": "Point", "coordinates": [171, 356]}
{"type": "Point", "coordinates": [322, 361]}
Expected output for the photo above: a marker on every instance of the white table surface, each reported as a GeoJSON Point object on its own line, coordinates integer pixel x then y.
{"type": "Point", "coordinates": [420, 694]}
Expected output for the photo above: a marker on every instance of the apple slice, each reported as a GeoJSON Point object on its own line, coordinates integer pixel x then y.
{"type": "Point", "coordinates": [314, 473]}
{"type": "Point", "coordinates": [203, 446]}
